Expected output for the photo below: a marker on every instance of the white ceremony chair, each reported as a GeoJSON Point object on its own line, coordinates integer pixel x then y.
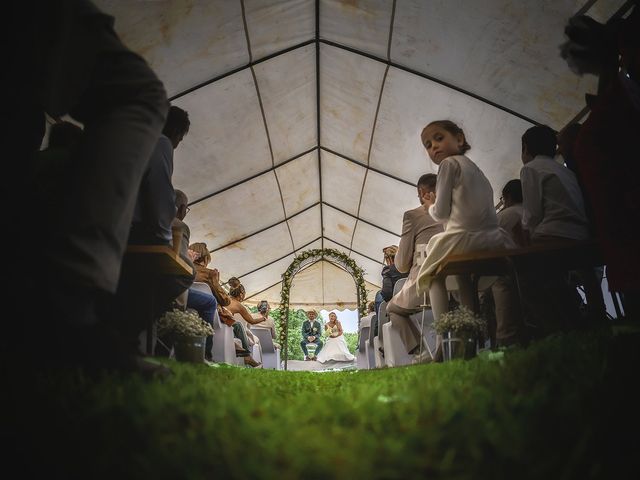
{"type": "Point", "coordinates": [270, 354]}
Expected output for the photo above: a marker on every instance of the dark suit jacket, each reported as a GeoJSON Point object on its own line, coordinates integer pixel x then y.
{"type": "Point", "coordinates": [307, 330]}
{"type": "Point", "coordinates": [390, 275]}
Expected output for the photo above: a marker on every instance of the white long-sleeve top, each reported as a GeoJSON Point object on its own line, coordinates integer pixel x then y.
{"type": "Point", "coordinates": [464, 197]}
{"type": "Point", "coordinates": [552, 201]}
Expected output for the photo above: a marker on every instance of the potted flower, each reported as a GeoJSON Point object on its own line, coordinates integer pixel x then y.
{"type": "Point", "coordinates": [188, 332]}
{"type": "Point", "coordinates": [460, 330]}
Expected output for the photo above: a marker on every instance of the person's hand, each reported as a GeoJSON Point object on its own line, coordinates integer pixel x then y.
{"type": "Point", "coordinates": [310, 339]}
{"type": "Point", "coordinates": [215, 274]}
{"type": "Point", "coordinates": [428, 199]}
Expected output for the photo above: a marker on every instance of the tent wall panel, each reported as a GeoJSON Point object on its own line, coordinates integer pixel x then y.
{"type": "Point", "coordinates": [185, 42]}
{"type": "Point", "coordinates": [226, 142]}
{"type": "Point", "coordinates": [275, 25]}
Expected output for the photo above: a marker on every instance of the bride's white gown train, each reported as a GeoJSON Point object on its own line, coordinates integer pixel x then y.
{"type": "Point", "coordinates": [335, 349]}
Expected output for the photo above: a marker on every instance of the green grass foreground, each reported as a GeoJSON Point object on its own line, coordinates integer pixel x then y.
{"type": "Point", "coordinates": [563, 408]}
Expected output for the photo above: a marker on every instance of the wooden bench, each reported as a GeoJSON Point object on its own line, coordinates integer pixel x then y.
{"type": "Point", "coordinates": [561, 256]}
{"type": "Point", "coordinates": [147, 262]}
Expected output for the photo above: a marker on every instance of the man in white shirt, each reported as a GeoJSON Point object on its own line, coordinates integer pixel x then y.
{"type": "Point", "coordinates": [553, 209]}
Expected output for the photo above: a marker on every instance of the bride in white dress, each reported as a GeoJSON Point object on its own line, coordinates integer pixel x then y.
{"type": "Point", "coordinates": [335, 347]}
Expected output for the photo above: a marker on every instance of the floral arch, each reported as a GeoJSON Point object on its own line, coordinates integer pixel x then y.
{"type": "Point", "coordinates": [306, 258]}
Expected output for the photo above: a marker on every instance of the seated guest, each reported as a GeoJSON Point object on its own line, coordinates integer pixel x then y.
{"type": "Point", "coordinates": [553, 210]}
{"type": "Point", "coordinates": [311, 333]}
{"type": "Point", "coordinates": [510, 216]}
{"type": "Point", "coordinates": [212, 278]}
{"type": "Point", "coordinates": [390, 275]}
{"type": "Point", "coordinates": [153, 216]}
{"type": "Point", "coordinates": [417, 229]}
{"type": "Point", "coordinates": [207, 275]}
{"type": "Point", "coordinates": [239, 311]}
{"type": "Point", "coordinates": [367, 319]}
{"type": "Point", "coordinates": [266, 321]}
{"type": "Point", "coordinates": [464, 204]}
{"type": "Point", "coordinates": [203, 303]}
{"type": "Point", "coordinates": [508, 329]}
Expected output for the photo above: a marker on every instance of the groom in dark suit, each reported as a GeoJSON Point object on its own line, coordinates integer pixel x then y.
{"type": "Point", "coordinates": [311, 333]}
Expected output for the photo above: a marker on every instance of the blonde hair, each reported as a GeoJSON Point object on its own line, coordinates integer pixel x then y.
{"type": "Point", "coordinates": [236, 288]}
{"type": "Point", "coordinates": [201, 249]}
{"type": "Point", "coordinates": [390, 252]}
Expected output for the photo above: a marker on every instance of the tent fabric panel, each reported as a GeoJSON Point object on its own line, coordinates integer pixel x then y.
{"type": "Point", "coordinates": [349, 91]}
{"type": "Point", "coordinates": [215, 154]}
{"type": "Point", "coordinates": [253, 252]}
{"type": "Point", "coordinates": [369, 240]}
{"type": "Point", "coordinates": [360, 25]}
{"type": "Point", "coordinates": [402, 118]}
{"type": "Point", "coordinates": [275, 25]}
{"type": "Point", "coordinates": [262, 279]}
{"type": "Point", "coordinates": [504, 51]}
{"type": "Point", "coordinates": [186, 43]}
{"type": "Point", "coordinates": [299, 183]}
{"type": "Point", "coordinates": [237, 212]}
{"type": "Point", "coordinates": [306, 226]}
{"type": "Point", "coordinates": [602, 10]}
{"type": "Point", "coordinates": [288, 90]}
{"type": "Point", "coordinates": [337, 225]}
{"type": "Point", "coordinates": [384, 201]}
{"type": "Point", "coordinates": [341, 182]}
{"type": "Point", "coordinates": [336, 288]}
{"type": "Point", "coordinates": [371, 269]}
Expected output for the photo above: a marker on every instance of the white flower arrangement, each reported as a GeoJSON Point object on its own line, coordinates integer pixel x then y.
{"type": "Point", "coordinates": [183, 323]}
{"type": "Point", "coordinates": [458, 321]}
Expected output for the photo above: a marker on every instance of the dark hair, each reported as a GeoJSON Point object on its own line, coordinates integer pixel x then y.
{"type": "Point", "coordinates": [453, 129]}
{"type": "Point", "coordinates": [513, 189]}
{"type": "Point", "coordinates": [177, 123]}
{"type": "Point", "coordinates": [181, 198]}
{"type": "Point", "coordinates": [236, 289]}
{"type": "Point", "coordinates": [540, 140]}
{"type": "Point", "coordinates": [263, 306]}
{"type": "Point", "coordinates": [428, 180]}
{"type": "Point", "coordinates": [372, 306]}
{"type": "Point", "coordinates": [64, 135]}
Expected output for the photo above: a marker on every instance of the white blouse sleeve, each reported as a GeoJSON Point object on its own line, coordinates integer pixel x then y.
{"type": "Point", "coordinates": [448, 174]}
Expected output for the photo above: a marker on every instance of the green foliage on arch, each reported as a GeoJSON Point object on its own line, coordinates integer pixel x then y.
{"type": "Point", "coordinates": [304, 259]}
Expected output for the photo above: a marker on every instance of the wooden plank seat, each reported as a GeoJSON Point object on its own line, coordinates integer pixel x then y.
{"type": "Point", "coordinates": [152, 261]}
{"type": "Point", "coordinates": [560, 256]}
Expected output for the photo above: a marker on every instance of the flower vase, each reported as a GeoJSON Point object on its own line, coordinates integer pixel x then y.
{"type": "Point", "coordinates": [189, 349]}
{"type": "Point", "coordinates": [460, 345]}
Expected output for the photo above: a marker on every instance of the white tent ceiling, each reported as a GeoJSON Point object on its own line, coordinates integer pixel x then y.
{"type": "Point", "coordinates": [306, 115]}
